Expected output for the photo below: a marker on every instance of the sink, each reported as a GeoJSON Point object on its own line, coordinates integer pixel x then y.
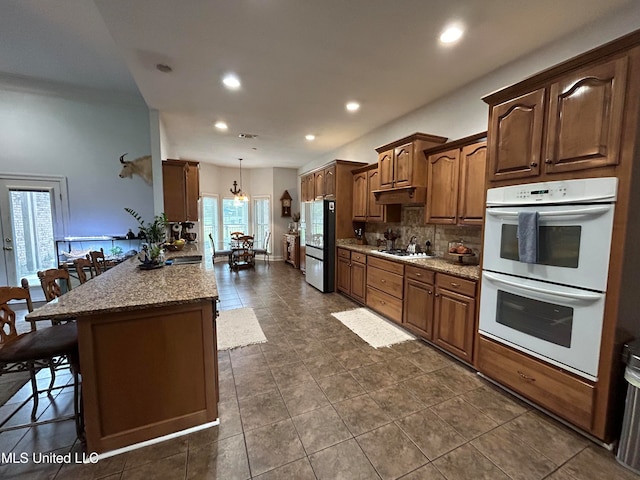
{"type": "Point", "coordinates": [187, 259]}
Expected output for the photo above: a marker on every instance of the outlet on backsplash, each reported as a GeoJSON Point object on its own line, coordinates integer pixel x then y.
{"type": "Point", "coordinates": [411, 224]}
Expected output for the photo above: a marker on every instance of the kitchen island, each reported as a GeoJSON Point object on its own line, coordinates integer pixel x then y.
{"type": "Point", "coordinates": [148, 355]}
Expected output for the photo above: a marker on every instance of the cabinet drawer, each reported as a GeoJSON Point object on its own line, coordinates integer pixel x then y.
{"type": "Point", "coordinates": [419, 274]}
{"type": "Point", "coordinates": [385, 281]}
{"type": "Point", "coordinates": [358, 257]}
{"type": "Point", "coordinates": [392, 267]}
{"type": "Point", "coordinates": [559, 392]}
{"type": "Point", "coordinates": [390, 307]}
{"type": "Point", "coordinates": [344, 253]}
{"type": "Point", "coordinates": [456, 284]}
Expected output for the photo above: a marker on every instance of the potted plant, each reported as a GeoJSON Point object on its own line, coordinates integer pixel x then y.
{"type": "Point", "coordinates": [154, 233]}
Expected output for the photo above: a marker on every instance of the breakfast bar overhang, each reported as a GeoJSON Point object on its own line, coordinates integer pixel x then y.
{"type": "Point", "coordinates": [148, 355]}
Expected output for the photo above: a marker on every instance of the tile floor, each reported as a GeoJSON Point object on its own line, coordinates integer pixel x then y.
{"type": "Point", "coordinates": [316, 402]}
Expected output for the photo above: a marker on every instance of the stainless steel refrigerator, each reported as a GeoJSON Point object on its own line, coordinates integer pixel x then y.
{"type": "Point", "coordinates": [320, 240]}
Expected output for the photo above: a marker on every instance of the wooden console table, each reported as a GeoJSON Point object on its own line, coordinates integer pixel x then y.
{"type": "Point", "coordinates": [291, 249]}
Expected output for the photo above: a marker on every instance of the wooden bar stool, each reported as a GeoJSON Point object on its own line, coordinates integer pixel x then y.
{"type": "Point", "coordinates": [80, 264]}
{"type": "Point", "coordinates": [36, 349]}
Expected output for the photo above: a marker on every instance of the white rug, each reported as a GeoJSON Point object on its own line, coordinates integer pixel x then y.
{"type": "Point", "coordinates": [238, 328]}
{"type": "Point", "coordinates": [372, 328]}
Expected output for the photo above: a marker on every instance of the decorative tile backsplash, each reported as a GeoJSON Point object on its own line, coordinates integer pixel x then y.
{"type": "Point", "coordinates": [412, 223]}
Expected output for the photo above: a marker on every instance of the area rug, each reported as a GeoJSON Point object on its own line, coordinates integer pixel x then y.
{"type": "Point", "coordinates": [373, 329]}
{"type": "Point", "coordinates": [238, 328]}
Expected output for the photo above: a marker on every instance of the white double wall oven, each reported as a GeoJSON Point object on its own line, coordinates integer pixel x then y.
{"type": "Point", "coordinates": [552, 308]}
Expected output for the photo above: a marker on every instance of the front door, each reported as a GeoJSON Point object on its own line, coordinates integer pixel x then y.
{"type": "Point", "coordinates": [32, 210]}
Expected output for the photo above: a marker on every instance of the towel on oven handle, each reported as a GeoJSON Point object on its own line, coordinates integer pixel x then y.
{"type": "Point", "coordinates": [528, 237]}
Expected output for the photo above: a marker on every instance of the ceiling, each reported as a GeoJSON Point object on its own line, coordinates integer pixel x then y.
{"type": "Point", "coordinates": [299, 61]}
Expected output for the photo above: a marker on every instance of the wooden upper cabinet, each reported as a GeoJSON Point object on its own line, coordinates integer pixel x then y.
{"type": "Point", "coordinates": [585, 118]}
{"type": "Point", "coordinates": [181, 189]}
{"type": "Point", "coordinates": [318, 184]}
{"type": "Point", "coordinates": [403, 165]}
{"type": "Point", "coordinates": [360, 194]}
{"type": "Point", "coordinates": [307, 191]}
{"type": "Point", "coordinates": [365, 207]}
{"type": "Point", "coordinates": [442, 188]}
{"type": "Point", "coordinates": [473, 164]}
{"type": "Point", "coordinates": [515, 137]}
{"type": "Point", "coordinates": [375, 212]}
{"type": "Point", "coordinates": [385, 167]}
{"type": "Point", "coordinates": [330, 181]}
{"type": "Point", "coordinates": [456, 181]}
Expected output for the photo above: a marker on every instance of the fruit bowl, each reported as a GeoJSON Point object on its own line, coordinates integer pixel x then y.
{"type": "Point", "coordinates": [174, 247]}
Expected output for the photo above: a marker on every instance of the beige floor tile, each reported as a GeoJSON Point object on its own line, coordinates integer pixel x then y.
{"type": "Point", "coordinates": [223, 459]}
{"type": "Point", "coordinates": [345, 461]}
{"type": "Point", "coordinates": [467, 463]}
{"type": "Point", "coordinates": [320, 429]}
{"type": "Point", "coordinates": [361, 414]}
{"type": "Point", "coordinates": [272, 446]}
{"type": "Point", "coordinates": [432, 435]}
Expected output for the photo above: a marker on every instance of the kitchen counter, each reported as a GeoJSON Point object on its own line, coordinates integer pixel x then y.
{"type": "Point", "coordinates": [125, 287]}
{"type": "Point", "coordinates": [437, 264]}
{"type": "Point", "coordinates": [146, 338]}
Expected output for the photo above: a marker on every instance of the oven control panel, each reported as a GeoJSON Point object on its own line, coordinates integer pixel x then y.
{"type": "Point", "coordinates": [584, 190]}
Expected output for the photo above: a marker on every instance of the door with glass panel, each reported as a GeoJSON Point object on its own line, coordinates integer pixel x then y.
{"type": "Point", "coordinates": [32, 217]}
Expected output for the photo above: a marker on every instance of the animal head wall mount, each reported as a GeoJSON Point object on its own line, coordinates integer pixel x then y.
{"type": "Point", "coordinates": [140, 166]}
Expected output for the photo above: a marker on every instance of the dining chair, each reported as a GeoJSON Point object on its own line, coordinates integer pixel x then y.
{"type": "Point", "coordinates": [218, 253]}
{"type": "Point", "coordinates": [264, 250]}
{"type": "Point", "coordinates": [80, 264]}
{"type": "Point", "coordinates": [28, 352]}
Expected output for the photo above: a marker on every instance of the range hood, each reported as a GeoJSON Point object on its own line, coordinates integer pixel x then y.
{"type": "Point", "coordinates": [410, 195]}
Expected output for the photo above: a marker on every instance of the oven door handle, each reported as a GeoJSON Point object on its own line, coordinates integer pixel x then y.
{"type": "Point", "coordinates": [590, 297]}
{"type": "Point", "coordinates": [581, 212]}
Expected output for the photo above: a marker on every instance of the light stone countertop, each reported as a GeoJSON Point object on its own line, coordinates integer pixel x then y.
{"type": "Point", "coordinates": [126, 287]}
{"type": "Point", "coordinates": [471, 272]}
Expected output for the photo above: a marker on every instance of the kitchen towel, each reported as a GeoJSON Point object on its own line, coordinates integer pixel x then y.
{"type": "Point", "coordinates": [528, 237]}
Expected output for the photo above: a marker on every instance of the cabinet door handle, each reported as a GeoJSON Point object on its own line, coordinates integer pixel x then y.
{"type": "Point", "coordinates": [430, 292]}
{"type": "Point", "coordinates": [382, 302]}
{"type": "Point", "coordinates": [456, 285]}
{"type": "Point", "coordinates": [548, 161]}
{"type": "Point", "coordinates": [525, 377]}
{"type": "Point", "coordinates": [533, 164]}
{"type": "Point", "coordinates": [418, 274]}
{"type": "Point", "coordinates": [382, 280]}
{"type": "Point", "coordinates": [437, 294]}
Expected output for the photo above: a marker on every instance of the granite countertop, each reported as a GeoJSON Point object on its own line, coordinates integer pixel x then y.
{"type": "Point", "coordinates": [437, 264]}
{"type": "Point", "coordinates": [126, 287]}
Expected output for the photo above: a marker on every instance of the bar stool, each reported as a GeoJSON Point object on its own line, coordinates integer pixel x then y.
{"type": "Point", "coordinates": [36, 349]}
{"type": "Point", "coordinates": [80, 264]}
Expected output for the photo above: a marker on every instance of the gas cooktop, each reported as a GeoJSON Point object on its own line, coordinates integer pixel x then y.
{"type": "Point", "coordinates": [403, 253]}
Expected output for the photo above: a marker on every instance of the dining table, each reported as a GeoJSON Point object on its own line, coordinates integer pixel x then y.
{"type": "Point", "coordinates": [148, 353]}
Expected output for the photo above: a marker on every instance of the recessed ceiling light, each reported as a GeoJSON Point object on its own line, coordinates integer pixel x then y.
{"type": "Point", "coordinates": [310, 137]}
{"type": "Point", "coordinates": [221, 125]}
{"type": "Point", "coordinates": [451, 34]}
{"type": "Point", "coordinates": [353, 106]}
{"type": "Point", "coordinates": [231, 81]}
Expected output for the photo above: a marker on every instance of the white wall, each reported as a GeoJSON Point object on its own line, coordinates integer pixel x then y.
{"type": "Point", "coordinates": [46, 129]}
{"type": "Point", "coordinates": [256, 181]}
{"type": "Point", "coordinates": [463, 112]}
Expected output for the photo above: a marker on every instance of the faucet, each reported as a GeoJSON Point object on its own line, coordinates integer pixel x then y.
{"type": "Point", "coordinates": [411, 248]}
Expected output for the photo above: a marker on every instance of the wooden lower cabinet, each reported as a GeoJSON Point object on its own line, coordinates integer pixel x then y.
{"type": "Point", "coordinates": [454, 314]}
{"type": "Point", "coordinates": [385, 283]}
{"type": "Point", "coordinates": [352, 274]}
{"type": "Point", "coordinates": [548, 386]}
{"type": "Point", "coordinates": [417, 314]}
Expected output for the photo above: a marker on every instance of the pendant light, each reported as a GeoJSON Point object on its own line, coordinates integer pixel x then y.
{"type": "Point", "coordinates": [238, 194]}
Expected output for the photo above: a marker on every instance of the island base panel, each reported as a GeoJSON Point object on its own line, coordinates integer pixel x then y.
{"type": "Point", "coordinates": [147, 373]}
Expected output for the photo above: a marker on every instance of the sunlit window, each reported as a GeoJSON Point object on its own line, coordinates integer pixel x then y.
{"type": "Point", "coordinates": [210, 223]}
{"type": "Point", "coordinates": [235, 218]}
{"type": "Point", "coordinates": [261, 219]}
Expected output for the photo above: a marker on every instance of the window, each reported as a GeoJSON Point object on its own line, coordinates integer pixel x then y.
{"type": "Point", "coordinates": [235, 218]}
{"type": "Point", "coordinates": [261, 219]}
{"type": "Point", "coordinates": [210, 223]}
